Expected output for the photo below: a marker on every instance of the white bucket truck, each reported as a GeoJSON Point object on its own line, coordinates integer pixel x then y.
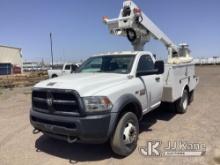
{"type": "Point", "coordinates": [110, 93]}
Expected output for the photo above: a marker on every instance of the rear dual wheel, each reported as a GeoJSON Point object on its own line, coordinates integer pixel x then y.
{"type": "Point", "coordinates": [183, 102]}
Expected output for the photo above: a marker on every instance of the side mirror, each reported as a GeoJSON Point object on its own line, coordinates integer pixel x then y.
{"type": "Point", "coordinates": [158, 69]}
{"type": "Point", "coordinates": [159, 65]}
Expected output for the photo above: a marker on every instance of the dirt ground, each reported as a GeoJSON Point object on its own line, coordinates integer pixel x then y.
{"type": "Point", "coordinates": [201, 124]}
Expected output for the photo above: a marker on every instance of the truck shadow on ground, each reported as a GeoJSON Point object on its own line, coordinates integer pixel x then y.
{"type": "Point", "coordinates": [73, 152]}
{"type": "Point", "coordinates": [165, 113]}
{"type": "Point", "coordinates": [91, 152]}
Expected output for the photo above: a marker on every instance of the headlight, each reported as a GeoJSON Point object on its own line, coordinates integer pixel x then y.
{"type": "Point", "coordinates": [97, 104]}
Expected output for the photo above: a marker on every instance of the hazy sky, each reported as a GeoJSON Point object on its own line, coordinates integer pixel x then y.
{"type": "Point", "coordinates": [78, 31]}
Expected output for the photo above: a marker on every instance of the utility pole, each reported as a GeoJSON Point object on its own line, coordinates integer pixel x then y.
{"type": "Point", "coordinates": [51, 48]}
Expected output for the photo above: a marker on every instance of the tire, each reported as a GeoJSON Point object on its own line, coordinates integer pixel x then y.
{"type": "Point", "coordinates": [182, 103]}
{"type": "Point", "coordinates": [54, 76]}
{"type": "Point", "coordinates": [124, 140]}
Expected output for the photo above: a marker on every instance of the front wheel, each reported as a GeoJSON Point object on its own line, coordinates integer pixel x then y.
{"type": "Point", "coordinates": [124, 139]}
{"type": "Point", "coordinates": [183, 102]}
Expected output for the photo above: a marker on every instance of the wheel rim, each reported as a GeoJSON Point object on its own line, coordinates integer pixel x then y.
{"type": "Point", "coordinates": [130, 133]}
{"type": "Point", "coordinates": [185, 102]}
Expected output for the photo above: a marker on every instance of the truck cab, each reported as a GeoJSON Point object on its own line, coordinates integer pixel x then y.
{"type": "Point", "coordinates": [133, 66]}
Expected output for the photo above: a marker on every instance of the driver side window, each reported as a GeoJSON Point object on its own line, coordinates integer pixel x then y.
{"type": "Point", "coordinates": [67, 67]}
{"type": "Point", "coordinates": [145, 63]}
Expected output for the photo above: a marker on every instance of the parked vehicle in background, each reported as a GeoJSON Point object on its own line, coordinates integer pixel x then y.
{"type": "Point", "coordinates": [66, 69]}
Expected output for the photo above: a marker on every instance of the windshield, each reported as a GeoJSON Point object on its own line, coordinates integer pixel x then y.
{"type": "Point", "coordinates": [110, 64]}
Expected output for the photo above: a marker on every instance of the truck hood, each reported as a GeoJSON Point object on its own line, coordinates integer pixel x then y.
{"type": "Point", "coordinates": [86, 84]}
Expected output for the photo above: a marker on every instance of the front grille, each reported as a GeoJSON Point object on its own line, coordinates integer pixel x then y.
{"type": "Point", "coordinates": [53, 101]}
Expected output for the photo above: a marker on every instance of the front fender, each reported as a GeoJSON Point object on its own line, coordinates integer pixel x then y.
{"type": "Point", "coordinates": [118, 107]}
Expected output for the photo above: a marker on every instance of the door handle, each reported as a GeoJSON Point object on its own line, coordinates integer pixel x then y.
{"type": "Point", "coordinates": [157, 78]}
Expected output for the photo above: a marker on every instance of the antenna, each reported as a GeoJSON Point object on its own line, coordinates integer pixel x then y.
{"type": "Point", "coordinates": [51, 48]}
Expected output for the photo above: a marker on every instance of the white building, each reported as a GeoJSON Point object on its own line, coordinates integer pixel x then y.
{"type": "Point", "coordinates": [11, 55]}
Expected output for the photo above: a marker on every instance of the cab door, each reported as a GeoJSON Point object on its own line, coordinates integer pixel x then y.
{"type": "Point", "coordinates": [153, 84]}
{"type": "Point", "coordinates": [67, 69]}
